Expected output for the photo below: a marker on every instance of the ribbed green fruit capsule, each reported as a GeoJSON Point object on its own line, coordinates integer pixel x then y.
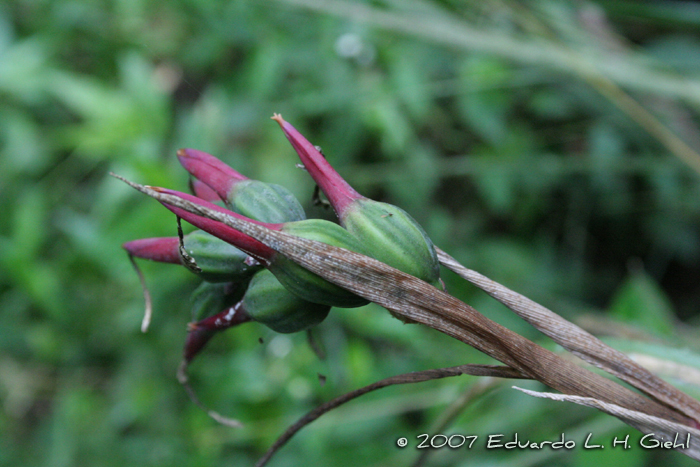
{"type": "Point", "coordinates": [271, 204]}
{"type": "Point", "coordinates": [211, 298]}
{"type": "Point", "coordinates": [265, 202]}
{"type": "Point", "coordinates": [218, 260]}
{"type": "Point", "coordinates": [295, 278]}
{"type": "Point", "coordinates": [268, 302]}
{"type": "Point", "coordinates": [305, 283]}
{"type": "Point", "coordinates": [389, 233]}
{"type": "Point", "coordinates": [393, 237]}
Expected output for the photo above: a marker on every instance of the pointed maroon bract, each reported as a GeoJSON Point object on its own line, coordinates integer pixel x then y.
{"type": "Point", "coordinates": [209, 170]}
{"type": "Point", "coordinates": [161, 249]}
{"type": "Point", "coordinates": [339, 192]}
{"type": "Point", "coordinates": [203, 191]}
{"type": "Point", "coordinates": [200, 332]}
{"type": "Point", "coordinates": [253, 247]}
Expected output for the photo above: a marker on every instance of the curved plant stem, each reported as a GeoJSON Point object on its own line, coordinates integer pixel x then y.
{"type": "Point", "coordinates": [407, 378]}
{"type": "Point", "coordinates": [446, 419]}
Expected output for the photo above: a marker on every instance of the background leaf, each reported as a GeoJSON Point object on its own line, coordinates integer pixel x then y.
{"type": "Point", "coordinates": [474, 117]}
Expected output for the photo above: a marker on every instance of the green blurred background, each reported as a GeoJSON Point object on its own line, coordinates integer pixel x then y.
{"type": "Point", "coordinates": [550, 145]}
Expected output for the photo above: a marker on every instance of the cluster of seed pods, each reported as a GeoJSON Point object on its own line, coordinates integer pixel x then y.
{"type": "Point", "coordinates": [243, 279]}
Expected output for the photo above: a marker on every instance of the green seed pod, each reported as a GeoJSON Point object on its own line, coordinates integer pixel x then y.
{"type": "Point", "coordinates": [270, 303]}
{"type": "Point", "coordinates": [208, 301]}
{"type": "Point", "coordinates": [298, 280]}
{"type": "Point", "coordinates": [388, 232]}
{"type": "Point", "coordinates": [393, 237]}
{"type": "Point", "coordinates": [306, 284]}
{"type": "Point", "coordinates": [210, 298]}
{"type": "Point", "coordinates": [218, 260]}
{"type": "Point", "coordinates": [264, 202]}
{"type": "Point", "coordinates": [257, 200]}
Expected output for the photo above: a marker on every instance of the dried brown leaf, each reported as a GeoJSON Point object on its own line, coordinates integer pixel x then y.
{"type": "Point", "coordinates": [418, 301]}
{"type": "Point", "coordinates": [579, 342]}
{"type": "Point", "coordinates": [661, 429]}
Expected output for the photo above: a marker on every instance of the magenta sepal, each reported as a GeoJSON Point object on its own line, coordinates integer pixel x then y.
{"type": "Point", "coordinates": [203, 191]}
{"type": "Point", "coordinates": [161, 249]}
{"type": "Point", "coordinates": [337, 190]}
{"type": "Point", "coordinates": [253, 247]}
{"type": "Point", "coordinates": [211, 171]}
{"type": "Point", "coordinates": [202, 331]}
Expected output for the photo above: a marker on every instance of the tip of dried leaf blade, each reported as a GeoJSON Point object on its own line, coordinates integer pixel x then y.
{"type": "Point", "coordinates": [148, 311]}
{"type": "Point", "coordinates": [183, 379]}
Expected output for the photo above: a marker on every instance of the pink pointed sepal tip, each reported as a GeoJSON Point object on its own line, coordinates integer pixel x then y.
{"type": "Point", "coordinates": [339, 193]}
{"type": "Point", "coordinates": [161, 249]}
{"type": "Point", "coordinates": [253, 247]}
{"type": "Point", "coordinates": [213, 172]}
{"type": "Point", "coordinates": [203, 191]}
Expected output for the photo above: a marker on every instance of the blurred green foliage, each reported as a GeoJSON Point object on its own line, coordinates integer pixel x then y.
{"type": "Point", "coordinates": [516, 164]}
